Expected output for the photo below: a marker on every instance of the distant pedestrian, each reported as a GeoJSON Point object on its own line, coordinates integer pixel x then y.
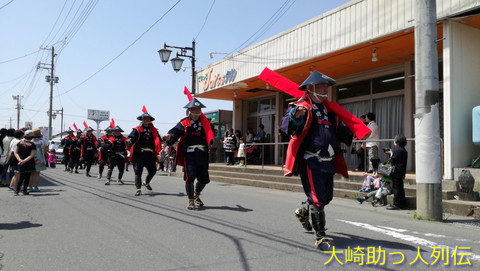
{"type": "Point", "coordinates": [25, 154]}
{"type": "Point", "coordinates": [229, 144]}
{"type": "Point", "coordinates": [250, 136]}
{"type": "Point", "coordinates": [261, 135]}
{"type": "Point", "coordinates": [53, 146]}
{"type": "Point", "coordinates": [40, 159]}
{"type": "Point", "coordinates": [372, 143]}
{"type": "Point", "coordinates": [398, 158]}
{"type": "Point", "coordinates": [52, 159]}
{"type": "Point", "coordinates": [14, 175]}
{"type": "Point", "coordinates": [241, 152]}
{"type": "Point", "coordinates": [6, 156]}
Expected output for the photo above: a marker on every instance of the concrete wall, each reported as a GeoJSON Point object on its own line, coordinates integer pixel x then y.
{"type": "Point", "coordinates": [461, 93]}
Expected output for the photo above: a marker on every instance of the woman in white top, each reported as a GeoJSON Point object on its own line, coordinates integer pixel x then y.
{"type": "Point", "coordinates": [14, 175]}
{"type": "Point", "coordinates": [372, 143]}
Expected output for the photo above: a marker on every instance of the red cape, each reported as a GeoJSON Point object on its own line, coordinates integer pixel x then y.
{"type": "Point", "coordinates": [156, 139]}
{"type": "Point", "coordinates": [353, 123]}
{"type": "Point", "coordinates": [209, 134]}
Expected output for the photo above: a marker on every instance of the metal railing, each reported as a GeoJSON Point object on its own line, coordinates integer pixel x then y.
{"type": "Point", "coordinates": [281, 154]}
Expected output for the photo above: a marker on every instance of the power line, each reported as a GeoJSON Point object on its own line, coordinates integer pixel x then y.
{"type": "Point", "coordinates": [55, 24]}
{"type": "Point", "coordinates": [17, 58]}
{"type": "Point", "coordinates": [205, 21]}
{"type": "Point", "coordinates": [260, 29]}
{"type": "Point", "coordinates": [122, 52]}
{"type": "Point", "coordinates": [6, 4]}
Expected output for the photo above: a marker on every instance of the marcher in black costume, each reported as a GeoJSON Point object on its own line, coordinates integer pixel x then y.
{"type": "Point", "coordinates": [89, 148]}
{"type": "Point", "coordinates": [145, 145]}
{"type": "Point", "coordinates": [194, 134]}
{"type": "Point", "coordinates": [117, 146]}
{"type": "Point", "coordinates": [67, 143]}
{"type": "Point", "coordinates": [103, 153]}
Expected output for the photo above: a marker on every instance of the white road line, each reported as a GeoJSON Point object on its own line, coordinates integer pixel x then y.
{"type": "Point", "coordinates": [402, 236]}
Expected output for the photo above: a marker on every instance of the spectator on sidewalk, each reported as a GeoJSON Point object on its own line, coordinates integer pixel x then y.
{"type": "Point", "coordinates": [399, 158]}
{"type": "Point", "coordinates": [25, 154]}
{"type": "Point", "coordinates": [372, 143]}
{"type": "Point", "coordinates": [39, 160]}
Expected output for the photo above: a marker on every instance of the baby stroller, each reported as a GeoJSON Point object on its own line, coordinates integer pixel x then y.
{"type": "Point", "coordinates": [254, 155]}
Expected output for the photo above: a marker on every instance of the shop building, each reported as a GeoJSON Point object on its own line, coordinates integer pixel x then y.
{"type": "Point", "coordinates": [368, 46]}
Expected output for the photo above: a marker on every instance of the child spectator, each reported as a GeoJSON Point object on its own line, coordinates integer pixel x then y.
{"type": "Point", "coordinates": [52, 158]}
{"type": "Point", "coordinates": [379, 195]}
{"type": "Point", "coordinates": [241, 152]}
{"type": "Point", "coordinates": [369, 182]}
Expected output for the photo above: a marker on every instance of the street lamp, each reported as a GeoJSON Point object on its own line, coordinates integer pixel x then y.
{"type": "Point", "coordinates": [178, 61]}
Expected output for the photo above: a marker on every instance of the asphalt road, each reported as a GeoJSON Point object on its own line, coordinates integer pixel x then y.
{"type": "Point", "coordinates": [78, 223]}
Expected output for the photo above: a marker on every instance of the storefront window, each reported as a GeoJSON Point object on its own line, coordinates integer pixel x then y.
{"type": "Point", "coordinates": [371, 86]}
{"type": "Point", "coordinates": [388, 83]}
{"type": "Point", "coordinates": [353, 90]}
{"type": "Point", "coordinates": [252, 107]}
{"type": "Point", "coordinates": [265, 105]}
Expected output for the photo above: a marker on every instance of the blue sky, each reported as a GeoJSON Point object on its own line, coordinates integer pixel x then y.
{"type": "Point", "coordinates": [107, 53]}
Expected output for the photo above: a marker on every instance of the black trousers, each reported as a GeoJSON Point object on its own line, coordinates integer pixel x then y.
{"type": "Point", "coordinates": [25, 180]}
{"type": "Point", "coordinates": [145, 159]}
{"type": "Point", "coordinates": [88, 157]}
{"type": "Point", "coordinates": [116, 160]}
{"type": "Point", "coordinates": [75, 159]}
{"type": "Point", "coordinates": [197, 167]}
{"type": "Point", "coordinates": [398, 193]}
{"type": "Point", "coordinates": [66, 159]}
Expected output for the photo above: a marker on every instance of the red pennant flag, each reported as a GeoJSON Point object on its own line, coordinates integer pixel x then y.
{"type": "Point", "coordinates": [85, 124]}
{"type": "Point", "coordinates": [280, 82]}
{"type": "Point", "coordinates": [144, 109]}
{"type": "Point", "coordinates": [75, 126]}
{"type": "Point", "coordinates": [187, 92]}
{"type": "Point", "coordinates": [112, 123]}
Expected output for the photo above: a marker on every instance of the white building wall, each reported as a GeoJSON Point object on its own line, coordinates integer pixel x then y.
{"type": "Point", "coordinates": [461, 94]}
{"type": "Point", "coordinates": [355, 22]}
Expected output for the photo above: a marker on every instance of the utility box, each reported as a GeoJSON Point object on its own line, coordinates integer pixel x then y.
{"type": "Point", "coordinates": [221, 120]}
{"type": "Point", "coordinates": [476, 125]}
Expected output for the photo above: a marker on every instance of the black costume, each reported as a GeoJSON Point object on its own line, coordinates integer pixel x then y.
{"type": "Point", "coordinates": [89, 148]}
{"type": "Point", "coordinates": [145, 145]}
{"type": "Point", "coordinates": [117, 146]}
{"type": "Point", "coordinates": [194, 138]}
{"type": "Point", "coordinates": [75, 151]}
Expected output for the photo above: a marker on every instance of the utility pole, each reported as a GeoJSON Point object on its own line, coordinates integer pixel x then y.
{"type": "Point", "coordinates": [427, 123]}
{"type": "Point", "coordinates": [52, 80]}
{"type": "Point", "coordinates": [19, 106]}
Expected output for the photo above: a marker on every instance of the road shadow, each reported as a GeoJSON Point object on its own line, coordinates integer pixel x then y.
{"type": "Point", "coordinates": [45, 182]}
{"type": "Point", "coordinates": [238, 208]}
{"type": "Point", "coordinates": [19, 225]}
{"type": "Point", "coordinates": [43, 194]}
{"type": "Point", "coordinates": [154, 194]}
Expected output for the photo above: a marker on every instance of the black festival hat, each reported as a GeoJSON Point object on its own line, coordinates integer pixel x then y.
{"type": "Point", "coordinates": [316, 78]}
{"type": "Point", "coordinates": [117, 128]}
{"type": "Point", "coordinates": [194, 103]}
